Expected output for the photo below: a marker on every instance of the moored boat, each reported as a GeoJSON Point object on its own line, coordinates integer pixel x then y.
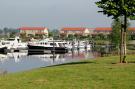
{"type": "Point", "coordinates": [78, 45]}
{"type": "Point", "coordinates": [14, 44]}
{"type": "Point", "coordinates": [3, 48]}
{"type": "Point", "coordinates": [47, 46]}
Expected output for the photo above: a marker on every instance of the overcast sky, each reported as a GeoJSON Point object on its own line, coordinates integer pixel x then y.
{"type": "Point", "coordinates": [52, 14]}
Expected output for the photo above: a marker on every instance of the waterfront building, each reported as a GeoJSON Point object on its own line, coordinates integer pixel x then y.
{"type": "Point", "coordinates": [74, 31]}
{"type": "Point", "coordinates": [34, 31]}
{"type": "Point", "coordinates": [132, 30]}
{"type": "Point", "coordinates": [108, 30]}
{"type": "Point", "coordinates": [103, 30]}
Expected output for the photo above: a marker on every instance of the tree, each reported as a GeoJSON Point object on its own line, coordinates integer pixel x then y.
{"type": "Point", "coordinates": [12, 34]}
{"type": "Point", "coordinates": [70, 37]}
{"type": "Point", "coordinates": [116, 9]}
{"type": "Point", "coordinates": [50, 34]}
{"type": "Point", "coordinates": [115, 35]}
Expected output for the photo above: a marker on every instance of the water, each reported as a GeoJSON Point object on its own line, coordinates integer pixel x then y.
{"type": "Point", "coordinates": [16, 62]}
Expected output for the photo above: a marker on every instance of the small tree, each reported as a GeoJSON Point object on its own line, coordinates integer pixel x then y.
{"type": "Point", "coordinates": [12, 34]}
{"type": "Point", "coordinates": [115, 35]}
{"type": "Point", "coordinates": [117, 8]}
{"type": "Point", "coordinates": [70, 37]}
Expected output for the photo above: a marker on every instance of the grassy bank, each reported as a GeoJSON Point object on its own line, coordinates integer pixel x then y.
{"type": "Point", "coordinates": [102, 73]}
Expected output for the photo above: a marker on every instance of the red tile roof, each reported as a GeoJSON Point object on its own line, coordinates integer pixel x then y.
{"type": "Point", "coordinates": [109, 29]}
{"type": "Point", "coordinates": [73, 29]}
{"type": "Point", "coordinates": [32, 28]}
{"type": "Point", "coordinates": [133, 28]}
{"type": "Point", "coordinates": [103, 29]}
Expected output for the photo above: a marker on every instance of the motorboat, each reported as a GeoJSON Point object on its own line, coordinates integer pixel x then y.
{"type": "Point", "coordinates": [3, 48]}
{"type": "Point", "coordinates": [14, 44]}
{"type": "Point", "coordinates": [78, 45]}
{"type": "Point", "coordinates": [47, 46]}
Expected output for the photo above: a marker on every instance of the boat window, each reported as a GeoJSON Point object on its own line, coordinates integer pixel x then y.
{"type": "Point", "coordinates": [60, 44]}
{"type": "Point", "coordinates": [41, 43]}
{"type": "Point", "coordinates": [11, 39]}
{"type": "Point", "coordinates": [3, 43]}
{"type": "Point", "coordinates": [53, 44]}
{"type": "Point", "coordinates": [18, 40]}
{"type": "Point", "coordinates": [64, 44]}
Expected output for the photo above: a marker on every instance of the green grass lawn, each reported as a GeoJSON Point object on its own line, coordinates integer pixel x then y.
{"type": "Point", "coordinates": [102, 73]}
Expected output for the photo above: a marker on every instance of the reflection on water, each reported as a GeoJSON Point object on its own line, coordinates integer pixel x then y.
{"type": "Point", "coordinates": [14, 62]}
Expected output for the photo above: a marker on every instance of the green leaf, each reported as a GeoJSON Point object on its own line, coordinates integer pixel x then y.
{"type": "Point", "coordinates": [132, 17]}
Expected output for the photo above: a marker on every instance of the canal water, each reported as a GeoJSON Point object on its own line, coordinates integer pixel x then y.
{"type": "Point", "coordinates": [16, 62]}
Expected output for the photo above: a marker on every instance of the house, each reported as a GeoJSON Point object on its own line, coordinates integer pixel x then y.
{"type": "Point", "coordinates": [108, 30]}
{"type": "Point", "coordinates": [103, 30]}
{"type": "Point", "coordinates": [34, 31]}
{"type": "Point", "coordinates": [74, 31]}
{"type": "Point", "coordinates": [91, 31]}
{"type": "Point", "coordinates": [132, 30]}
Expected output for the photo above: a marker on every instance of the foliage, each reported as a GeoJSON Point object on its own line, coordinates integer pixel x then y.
{"type": "Point", "coordinates": [70, 37]}
{"type": "Point", "coordinates": [39, 36]}
{"type": "Point", "coordinates": [104, 37]}
{"type": "Point", "coordinates": [117, 8]}
{"type": "Point", "coordinates": [77, 36]}
{"type": "Point", "coordinates": [132, 17]}
{"type": "Point", "coordinates": [115, 35]}
{"type": "Point", "coordinates": [132, 37]}
{"type": "Point", "coordinates": [55, 32]}
{"type": "Point", "coordinates": [12, 34]}
{"type": "Point", "coordinates": [50, 33]}
{"type": "Point", "coordinates": [8, 32]}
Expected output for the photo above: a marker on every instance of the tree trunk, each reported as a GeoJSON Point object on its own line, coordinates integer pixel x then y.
{"type": "Point", "coordinates": [124, 39]}
{"type": "Point", "coordinates": [121, 44]}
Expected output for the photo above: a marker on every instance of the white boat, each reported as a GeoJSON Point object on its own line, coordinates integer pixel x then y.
{"type": "Point", "coordinates": [78, 45]}
{"type": "Point", "coordinates": [47, 46]}
{"type": "Point", "coordinates": [3, 48]}
{"type": "Point", "coordinates": [13, 44]}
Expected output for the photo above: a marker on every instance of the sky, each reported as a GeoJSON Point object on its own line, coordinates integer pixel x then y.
{"type": "Point", "coordinates": [53, 14]}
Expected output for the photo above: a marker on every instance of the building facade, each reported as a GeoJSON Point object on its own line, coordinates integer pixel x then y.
{"type": "Point", "coordinates": [132, 30]}
{"type": "Point", "coordinates": [74, 31]}
{"type": "Point", "coordinates": [34, 31]}
{"type": "Point", "coordinates": [103, 30]}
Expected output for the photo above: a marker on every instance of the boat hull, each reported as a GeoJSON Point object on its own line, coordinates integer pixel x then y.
{"type": "Point", "coordinates": [3, 49]}
{"type": "Point", "coordinates": [42, 49]}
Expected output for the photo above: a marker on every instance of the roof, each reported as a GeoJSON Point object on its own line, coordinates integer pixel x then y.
{"type": "Point", "coordinates": [32, 28]}
{"type": "Point", "coordinates": [133, 28]}
{"type": "Point", "coordinates": [103, 29]}
{"type": "Point", "coordinates": [73, 29]}
{"type": "Point", "coordinates": [109, 29]}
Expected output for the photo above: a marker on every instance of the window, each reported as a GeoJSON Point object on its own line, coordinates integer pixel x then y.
{"type": "Point", "coordinates": [53, 44]}
{"type": "Point", "coordinates": [60, 44]}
